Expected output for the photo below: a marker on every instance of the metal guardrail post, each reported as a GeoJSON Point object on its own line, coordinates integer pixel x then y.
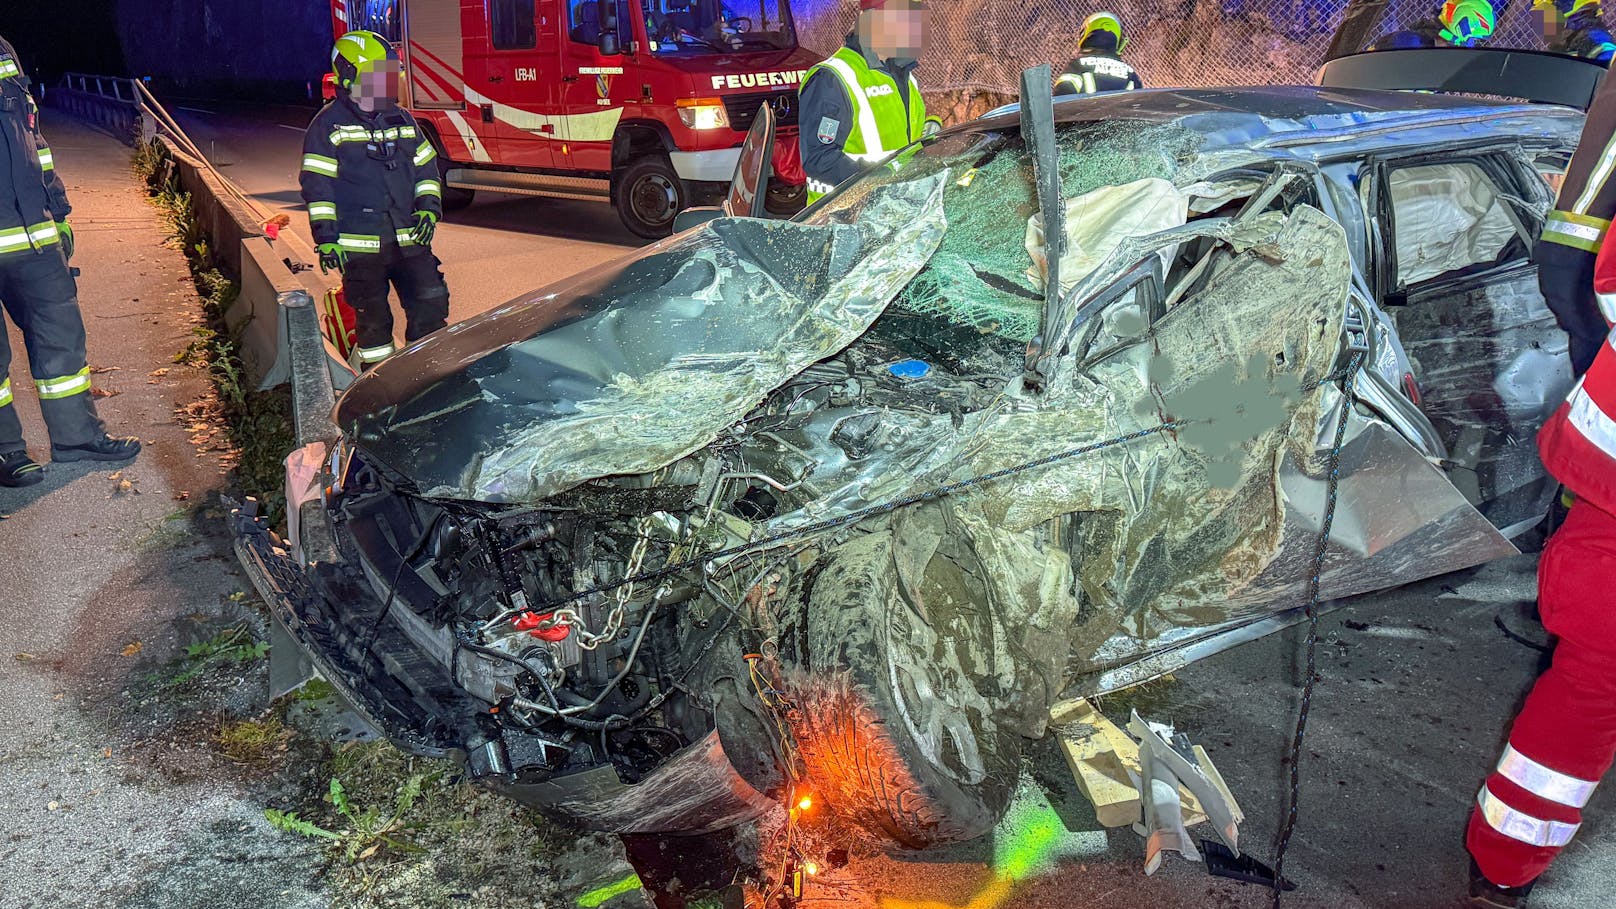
{"type": "Point", "coordinates": [312, 394]}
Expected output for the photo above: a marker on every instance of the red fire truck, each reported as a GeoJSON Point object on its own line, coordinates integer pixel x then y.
{"type": "Point", "coordinates": [642, 103]}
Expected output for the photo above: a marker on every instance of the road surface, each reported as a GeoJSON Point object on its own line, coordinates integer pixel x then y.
{"type": "Point", "coordinates": [500, 247]}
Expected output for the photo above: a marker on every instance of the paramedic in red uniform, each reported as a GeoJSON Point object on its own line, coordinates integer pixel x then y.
{"type": "Point", "coordinates": [1565, 736]}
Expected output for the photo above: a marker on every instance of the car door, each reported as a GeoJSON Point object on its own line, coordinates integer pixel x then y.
{"type": "Point", "coordinates": [521, 105]}
{"type": "Point", "coordinates": [1455, 232]}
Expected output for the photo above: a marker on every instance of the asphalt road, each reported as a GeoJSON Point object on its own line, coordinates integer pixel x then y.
{"type": "Point", "coordinates": [500, 247]}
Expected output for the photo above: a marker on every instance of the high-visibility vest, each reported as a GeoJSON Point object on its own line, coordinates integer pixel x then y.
{"type": "Point", "coordinates": [881, 124]}
{"type": "Point", "coordinates": [1578, 443]}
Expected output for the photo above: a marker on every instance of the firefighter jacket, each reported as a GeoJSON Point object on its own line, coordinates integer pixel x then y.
{"type": "Point", "coordinates": [32, 197]}
{"type": "Point", "coordinates": [1586, 36]}
{"type": "Point", "coordinates": [1095, 71]}
{"type": "Point", "coordinates": [365, 173]}
{"type": "Point", "coordinates": [1578, 443]}
{"type": "Point", "coordinates": [855, 112]}
{"type": "Point", "coordinates": [1582, 216]}
{"type": "Point", "coordinates": [1424, 33]}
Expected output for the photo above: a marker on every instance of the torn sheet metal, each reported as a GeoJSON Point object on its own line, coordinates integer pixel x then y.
{"type": "Point", "coordinates": [1163, 825]}
{"type": "Point", "coordinates": [1160, 746]}
{"type": "Point", "coordinates": [627, 369]}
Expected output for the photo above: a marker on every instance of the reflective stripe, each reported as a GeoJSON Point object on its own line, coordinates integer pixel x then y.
{"type": "Point", "coordinates": [9, 68]}
{"type": "Point", "coordinates": [354, 133]}
{"type": "Point", "coordinates": [405, 237]}
{"type": "Point", "coordinates": [375, 354]}
{"type": "Point", "coordinates": [869, 129]}
{"type": "Point", "coordinates": [1596, 180]}
{"type": "Point", "coordinates": [1578, 231]}
{"type": "Point", "coordinates": [1521, 826]}
{"type": "Point", "coordinates": [1544, 782]}
{"type": "Point", "coordinates": [5, 393]}
{"type": "Point", "coordinates": [64, 386]}
{"type": "Point", "coordinates": [429, 188]}
{"type": "Point", "coordinates": [47, 161]}
{"type": "Point", "coordinates": [360, 242]}
{"type": "Point", "coordinates": [1607, 307]}
{"type": "Point", "coordinates": [16, 238]}
{"type": "Point", "coordinates": [322, 211]}
{"type": "Point", "coordinates": [1590, 421]}
{"type": "Point", "coordinates": [424, 154]}
{"type": "Point", "coordinates": [320, 164]}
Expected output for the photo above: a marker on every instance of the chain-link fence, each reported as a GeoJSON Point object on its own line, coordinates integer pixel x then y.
{"type": "Point", "coordinates": [978, 48]}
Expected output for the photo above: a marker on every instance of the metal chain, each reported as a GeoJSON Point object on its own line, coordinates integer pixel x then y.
{"type": "Point", "coordinates": [856, 516]}
{"type": "Point", "coordinates": [1349, 376]}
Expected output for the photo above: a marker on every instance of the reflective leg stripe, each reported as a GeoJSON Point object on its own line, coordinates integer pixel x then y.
{"type": "Point", "coordinates": [5, 393]}
{"type": "Point", "coordinates": [47, 161]}
{"type": "Point", "coordinates": [429, 188]}
{"type": "Point", "coordinates": [320, 164]}
{"type": "Point", "coordinates": [1590, 421]}
{"type": "Point", "coordinates": [1523, 827]}
{"type": "Point", "coordinates": [375, 354]}
{"type": "Point", "coordinates": [64, 386]}
{"type": "Point", "coordinates": [1607, 307]}
{"type": "Point", "coordinates": [360, 243]}
{"type": "Point", "coordinates": [322, 211]}
{"type": "Point", "coordinates": [15, 238]}
{"type": "Point", "coordinates": [1544, 782]}
{"type": "Point", "coordinates": [1583, 232]}
{"type": "Point", "coordinates": [424, 154]}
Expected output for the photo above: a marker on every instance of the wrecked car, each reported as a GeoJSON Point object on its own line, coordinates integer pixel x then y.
{"type": "Point", "coordinates": [842, 504]}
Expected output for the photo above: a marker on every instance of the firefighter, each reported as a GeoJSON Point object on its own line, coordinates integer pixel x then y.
{"type": "Point", "coordinates": [1576, 227]}
{"type": "Point", "coordinates": [1575, 28]}
{"type": "Point", "coordinates": [38, 291]}
{"type": "Point", "coordinates": [1098, 66]}
{"type": "Point", "coordinates": [1460, 23]}
{"type": "Point", "coordinates": [370, 179]}
{"type": "Point", "coordinates": [863, 103]}
{"type": "Point", "coordinates": [1564, 738]}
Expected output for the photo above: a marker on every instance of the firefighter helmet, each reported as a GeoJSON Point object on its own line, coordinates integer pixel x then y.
{"type": "Point", "coordinates": [1106, 23]}
{"type": "Point", "coordinates": [356, 51]}
{"type": "Point", "coordinates": [1468, 21]}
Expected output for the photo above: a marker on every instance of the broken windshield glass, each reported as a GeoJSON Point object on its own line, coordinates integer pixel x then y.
{"type": "Point", "coordinates": [629, 367]}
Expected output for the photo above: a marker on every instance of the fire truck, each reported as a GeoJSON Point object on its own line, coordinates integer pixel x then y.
{"type": "Point", "coordinates": [641, 103]}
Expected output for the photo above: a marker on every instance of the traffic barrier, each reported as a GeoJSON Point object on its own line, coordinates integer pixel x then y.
{"type": "Point", "coordinates": [109, 102]}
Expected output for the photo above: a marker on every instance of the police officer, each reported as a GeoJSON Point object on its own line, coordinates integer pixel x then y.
{"type": "Point", "coordinates": [863, 104]}
{"type": "Point", "coordinates": [1576, 28]}
{"type": "Point", "coordinates": [370, 179]}
{"type": "Point", "coordinates": [39, 293]}
{"type": "Point", "coordinates": [1098, 66]}
{"type": "Point", "coordinates": [1460, 23]}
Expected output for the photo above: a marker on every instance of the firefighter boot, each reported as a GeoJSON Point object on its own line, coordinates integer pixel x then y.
{"type": "Point", "coordinates": [17, 469]}
{"type": "Point", "coordinates": [106, 448]}
{"type": "Point", "coordinates": [1485, 893]}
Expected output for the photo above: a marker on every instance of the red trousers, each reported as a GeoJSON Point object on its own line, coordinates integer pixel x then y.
{"type": "Point", "coordinates": [1565, 736]}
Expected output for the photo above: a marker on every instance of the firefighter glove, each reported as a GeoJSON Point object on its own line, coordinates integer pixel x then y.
{"type": "Point", "coordinates": [332, 258]}
{"type": "Point", "coordinates": [64, 232]}
{"type": "Point", "coordinates": [426, 226]}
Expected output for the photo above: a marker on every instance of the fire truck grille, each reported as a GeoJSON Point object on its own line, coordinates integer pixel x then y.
{"type": "Point", "coordinates": [742, 109]}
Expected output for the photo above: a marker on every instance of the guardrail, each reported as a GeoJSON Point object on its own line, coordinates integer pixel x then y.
{"type": "Point", "coordinates": [114, 103]}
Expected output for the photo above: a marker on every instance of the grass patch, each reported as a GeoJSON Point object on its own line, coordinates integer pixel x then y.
{"type": "Point", "coordinates": [253, 742]}
{"type": "Point", "coordinates": [258, 423]}
{"type": "Point", "coordinates": [232, 646]}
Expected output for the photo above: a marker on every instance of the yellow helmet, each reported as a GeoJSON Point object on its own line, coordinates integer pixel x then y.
{"type": "Point", "coordinates": [1107, 23]}
{"type": "Point", "coordinates": [357, 51]}
{"type": "Point", "coordinates": [1468, 21]}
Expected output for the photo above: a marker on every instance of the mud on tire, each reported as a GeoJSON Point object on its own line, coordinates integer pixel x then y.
{"type": "Point", "coordinates": [891, 730]}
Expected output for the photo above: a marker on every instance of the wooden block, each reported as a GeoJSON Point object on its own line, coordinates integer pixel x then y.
{"type": "Point", "coordinates": [1101, 755]}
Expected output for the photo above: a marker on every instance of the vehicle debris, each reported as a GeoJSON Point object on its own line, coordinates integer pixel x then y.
{"type": "Point", "coordinates": [1167, 763]}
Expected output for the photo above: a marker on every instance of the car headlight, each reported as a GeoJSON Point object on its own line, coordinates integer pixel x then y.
{"type": "Point", "coordinates": [703, 113]}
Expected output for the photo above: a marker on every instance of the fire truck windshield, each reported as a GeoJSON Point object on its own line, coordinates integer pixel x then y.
{"type": "Point", "coordinates": [718, 26]}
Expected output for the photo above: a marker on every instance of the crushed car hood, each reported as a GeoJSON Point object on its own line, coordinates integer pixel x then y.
{"type": "Point", "coordinates": [639, 363]}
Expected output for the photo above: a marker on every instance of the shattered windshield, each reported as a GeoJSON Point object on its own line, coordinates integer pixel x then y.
{"type": "Point", "coordinates": [712, 26]}
{"type": "Point", "coordinates": [628, 367]}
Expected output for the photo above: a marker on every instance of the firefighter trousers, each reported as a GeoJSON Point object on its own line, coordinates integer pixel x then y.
{"type": "Point", "coordinates": [39, 293]}
{"type": "Point", "coordinates": [1564, 738]}
{"type": "Point", "coordinates": [1566, 277]}
{"type": "Point", "coordinates": [417, 275]}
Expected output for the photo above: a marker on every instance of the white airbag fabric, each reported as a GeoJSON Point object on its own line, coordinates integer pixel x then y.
{"type": "Point", "coordinates": [1097, 222]}
{"type": "Point", "coordinates": [1447, 217]}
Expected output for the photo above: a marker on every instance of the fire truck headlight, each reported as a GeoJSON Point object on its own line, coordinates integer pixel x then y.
{"type": "Point", "coordinates": [703, 113]}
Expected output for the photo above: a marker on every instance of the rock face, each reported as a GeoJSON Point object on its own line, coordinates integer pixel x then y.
{"type": "Point", "coordinates": [228, 47]}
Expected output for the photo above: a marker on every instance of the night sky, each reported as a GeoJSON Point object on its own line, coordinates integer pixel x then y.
{"type": "Point", "coordinates": [54, 36]}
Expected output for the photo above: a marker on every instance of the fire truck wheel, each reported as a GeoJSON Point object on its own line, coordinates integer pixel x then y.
{"type": "Point", "coordinates": [455, 198]}
{"type": "Point", "coordinates": [649, 194]}
{"type": "Point", "coordinates": [888, 722]}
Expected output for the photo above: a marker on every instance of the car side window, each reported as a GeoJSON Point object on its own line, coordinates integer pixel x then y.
{"type": "Point", "coordinates": [1449, 219]}
{"type": "Point", "coordinates": [511, 23]}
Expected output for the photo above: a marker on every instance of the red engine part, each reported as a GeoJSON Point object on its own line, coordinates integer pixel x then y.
{"type": "Point", "coordinates": [530, 622]}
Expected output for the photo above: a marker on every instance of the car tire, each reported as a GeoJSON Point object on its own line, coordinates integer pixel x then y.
{"type": "Point", "coordinates": [784, 200]}
{"type": "Point", "coordinates": [866, 700]}
{"type": "Point", "coordinates": [649, 195]}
